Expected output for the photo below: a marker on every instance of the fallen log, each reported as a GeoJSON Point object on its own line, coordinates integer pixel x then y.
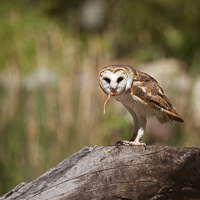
{"type": "Point", "coordinates": [118, 172]}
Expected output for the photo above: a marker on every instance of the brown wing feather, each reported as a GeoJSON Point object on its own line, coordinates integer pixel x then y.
{"type": "Point", "coordinates": [150, 93]}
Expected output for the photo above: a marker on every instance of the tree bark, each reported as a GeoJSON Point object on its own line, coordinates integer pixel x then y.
{"type": "Point", "coordinates": [119, 172]}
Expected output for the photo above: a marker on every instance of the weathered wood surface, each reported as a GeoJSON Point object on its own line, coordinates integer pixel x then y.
{"type": "Point", "coordinates": [119, 172]}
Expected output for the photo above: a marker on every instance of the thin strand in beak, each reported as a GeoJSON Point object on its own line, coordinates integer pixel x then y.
{"type": "Point", "coordinates": [104, 106]}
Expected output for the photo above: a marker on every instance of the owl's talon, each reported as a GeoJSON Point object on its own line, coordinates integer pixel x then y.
{"type": "Point", "coordinates": [122, 143]}
{"type": "Point", "coordinates": [130, 143]}
{"type": "Point", "coordinates": [142, 141]}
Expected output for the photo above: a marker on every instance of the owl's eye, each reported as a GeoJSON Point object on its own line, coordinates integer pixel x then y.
{"type": "Point", "coordinates": [119, 79]}
{"type": "Point", "coordinates": [107, 80]}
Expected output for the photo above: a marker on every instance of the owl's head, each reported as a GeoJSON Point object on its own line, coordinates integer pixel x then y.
{"type": "Point", "coordinates": [115, 79]}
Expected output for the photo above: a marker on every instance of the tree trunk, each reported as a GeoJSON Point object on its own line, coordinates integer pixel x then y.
{"type": "Point", "coordinates": [119, 172]}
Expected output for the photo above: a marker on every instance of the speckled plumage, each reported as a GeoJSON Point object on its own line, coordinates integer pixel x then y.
{"type": "Point", "coordinates": [141, 94]}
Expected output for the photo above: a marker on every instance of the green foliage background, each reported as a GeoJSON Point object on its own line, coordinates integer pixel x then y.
{"type": "Point", "coordinates": [43, 123]}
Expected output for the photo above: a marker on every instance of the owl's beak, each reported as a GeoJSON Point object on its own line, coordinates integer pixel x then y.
{"type": "Point", "coordinates": [113, 91]}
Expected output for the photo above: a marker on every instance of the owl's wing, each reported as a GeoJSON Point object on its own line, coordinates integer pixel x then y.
{"type": "Point", "coordinates": [148, 91]}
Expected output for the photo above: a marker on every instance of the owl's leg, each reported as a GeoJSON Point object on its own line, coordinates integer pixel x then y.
{"type": "Point", "coordinates": [139, 127]}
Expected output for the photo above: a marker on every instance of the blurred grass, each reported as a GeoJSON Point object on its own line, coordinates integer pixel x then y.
{"type": "Point", "coordinates": [51, 104]}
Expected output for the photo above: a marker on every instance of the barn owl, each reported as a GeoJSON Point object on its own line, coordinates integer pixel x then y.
{"type": "Point", "coordinates": [140, 94]}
